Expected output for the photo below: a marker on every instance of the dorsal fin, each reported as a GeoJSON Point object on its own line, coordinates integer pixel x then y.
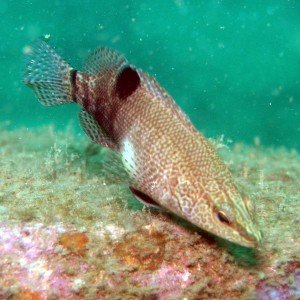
{"type": "Point", "coordinates": [152, 86]}
{"type": "Point", "coordinates": [103, 59]}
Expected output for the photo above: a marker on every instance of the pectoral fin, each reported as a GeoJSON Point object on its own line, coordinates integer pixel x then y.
{"type": "Point", "coordinates": [145, 199]}
{"type": "Point", "coordinates": [94, 131]}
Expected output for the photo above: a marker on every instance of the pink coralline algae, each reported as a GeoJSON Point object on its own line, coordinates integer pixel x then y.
{"type": "Point", "coordinates": [284, 286]}
{"type": "Point", "coordinates": [31, 262]}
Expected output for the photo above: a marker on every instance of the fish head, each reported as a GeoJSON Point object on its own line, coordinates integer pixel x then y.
{"type": "Point", "coordinates": [232, 215]}
{"type": "Point", "coordinates": [219, 208]}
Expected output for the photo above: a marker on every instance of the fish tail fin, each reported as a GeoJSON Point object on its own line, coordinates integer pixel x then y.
{"type": "Point", "coordinates": [48, 75]}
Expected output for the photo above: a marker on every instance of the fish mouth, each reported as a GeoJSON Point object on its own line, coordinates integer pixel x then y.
{"type": "Point", "coordinates": [250, 239]}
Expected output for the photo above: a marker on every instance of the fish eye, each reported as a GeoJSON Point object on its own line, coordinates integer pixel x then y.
{"type": "Point", "coordinates": [222, 217]}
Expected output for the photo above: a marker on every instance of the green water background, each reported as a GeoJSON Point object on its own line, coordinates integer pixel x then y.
{"type": "Point", "coordinates": [232, 66]}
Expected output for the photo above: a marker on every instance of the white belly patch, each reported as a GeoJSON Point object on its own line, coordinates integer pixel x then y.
{"type": "Point", "coordinates": [128, 157]}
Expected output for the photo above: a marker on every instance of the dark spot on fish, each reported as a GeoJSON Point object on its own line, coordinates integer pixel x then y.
{"type": "Point", "coordinates": [127, 82]}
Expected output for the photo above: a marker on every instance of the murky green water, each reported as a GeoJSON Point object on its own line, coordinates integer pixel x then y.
{"type": "Point", "coordinates": [234, 67]}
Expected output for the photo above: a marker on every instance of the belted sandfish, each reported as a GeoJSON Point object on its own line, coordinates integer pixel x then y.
{"type": "Point", "coordinates": [167, 160]}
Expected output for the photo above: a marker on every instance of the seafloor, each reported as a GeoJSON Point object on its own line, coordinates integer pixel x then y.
{"type": "Point", "coordinates": [68, 231]}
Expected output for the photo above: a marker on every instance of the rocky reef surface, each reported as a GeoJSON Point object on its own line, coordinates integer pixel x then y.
{"type": "Point", "coordinates": [69, 231]}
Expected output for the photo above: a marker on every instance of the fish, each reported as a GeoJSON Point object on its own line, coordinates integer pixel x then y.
{"type": "Point", "coordinates": [168, 162]}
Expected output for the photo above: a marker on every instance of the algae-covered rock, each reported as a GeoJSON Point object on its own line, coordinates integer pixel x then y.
{"type": "Point", "coordinates": [69, 231]}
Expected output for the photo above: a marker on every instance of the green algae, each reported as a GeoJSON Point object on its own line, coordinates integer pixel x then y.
{"type": "Point", "coordinates": [53, 177]}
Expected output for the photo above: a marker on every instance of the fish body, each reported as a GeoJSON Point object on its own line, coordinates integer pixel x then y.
{"type": "Point", "coordinates": [167, 160]}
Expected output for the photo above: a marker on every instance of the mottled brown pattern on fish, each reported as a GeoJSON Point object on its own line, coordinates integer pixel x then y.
{"type": "Point", "coordinates": [167, 160]}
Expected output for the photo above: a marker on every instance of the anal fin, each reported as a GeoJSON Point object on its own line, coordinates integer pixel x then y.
{"type": "Point", "coordinates": [94, 131]}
